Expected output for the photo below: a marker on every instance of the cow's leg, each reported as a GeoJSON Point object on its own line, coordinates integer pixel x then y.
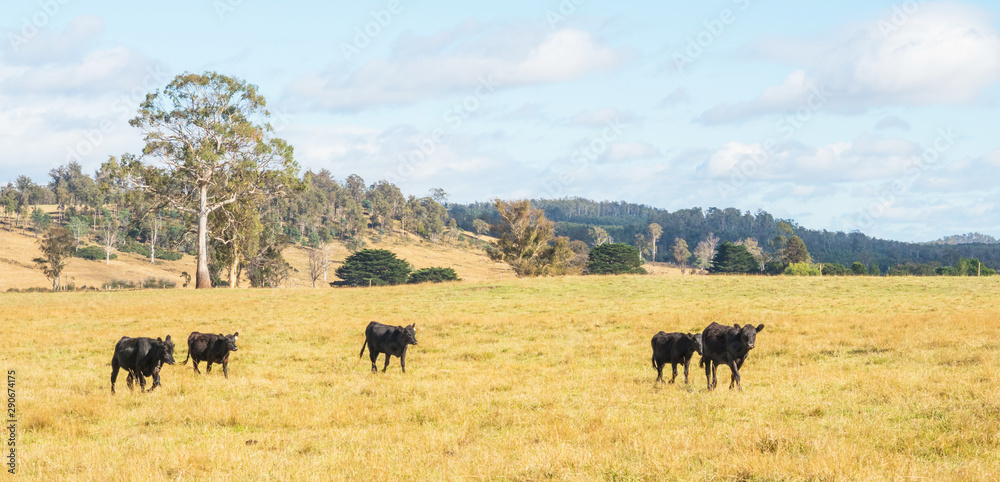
{"type": "Point", "coordinates": [130, 379]}
{"type": "Point", "coordinates": [735, 377]}
{"type": "Point", "coordinates": [674, 367]}
{"type": "Point", "coordinates": [708, 374]}
{"type": "Point", "coordinates": [715, 373]}
{"type": "Point", "coordinates": [114, 373]}
{"type": "Point", "coordinates": [374, 357]}
{"type": "Point", "coordinates": [687, 364]}
{"type": "Point", "coordinates": [208, 366]}
{"type": "Point", "coordinates": [225, 366]}
{"type": "Point", "coordinates": [142, 380]}
{"type": "Point", "coordinates": [156, 378]}
{"type": "Point", "coordinates": [387, 357]}
{"type": "Point", "coordinates": [659, 370]}
{"type": "Point", "coordinates": [195, 361]}
{"type": "Point", "coordinates": [402, 361]}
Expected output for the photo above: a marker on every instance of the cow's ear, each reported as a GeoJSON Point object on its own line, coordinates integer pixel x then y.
{"type": "Point", "coordinates": [168, 337]}
{"type": "Point", "coordinates": [236, 334]}
{"type": "Point", "coordinates": [159, 339]}
{"type": "Point", "coordinates": [737, 325]}
{"type": "Point", "coordinates": [760, 328]}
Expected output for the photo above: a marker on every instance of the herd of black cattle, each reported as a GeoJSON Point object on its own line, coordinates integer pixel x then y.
{"type": "Point", "coordinates": [717, 345]}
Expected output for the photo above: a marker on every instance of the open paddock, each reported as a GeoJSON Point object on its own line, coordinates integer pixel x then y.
{"type": "Point", "coordinates": [852, 378]}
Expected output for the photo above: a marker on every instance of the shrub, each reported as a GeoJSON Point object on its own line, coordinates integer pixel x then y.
{"type": "Point", "coordinates": [376, 267]}
{"type": "Point", "coordinates": [801, 269]}
{"type": "Point", "coordinates": [615, 258]}
{"type": "Point", "coordinates": [158, 283]}
{"type": "Point", "coordinates": [143, 250]}
{"type": "Point", "coordinates": [733, 258]}
{"type": "Point", "coordinates": [169, 255]}
{"type": "Point", "coordinates": [434, 275]}
{"type": "Point", "coordinates": [774, 268]}
{"type": "Point", "coordinates": [134, 247]}
{"type": "Point", "coordinates": [858, 268]}
{"type": "Point", "coordinates": [93, 253]}
{"type": "Point", "coordinates": [119, 284]}
{"type": "Point", "coordinates": [835, 269]}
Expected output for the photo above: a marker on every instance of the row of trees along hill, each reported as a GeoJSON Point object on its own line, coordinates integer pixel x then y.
{"type": "Point", "coordinates": [214, 181]}
{"type": "Point", "coordinates": [593, 222]}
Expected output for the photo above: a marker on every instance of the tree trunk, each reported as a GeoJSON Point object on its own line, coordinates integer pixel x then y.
{"type": "Point", "coordinates": [234, 272]}
{"type": "Point", "coordinates": [203, 279]}
{"type": "Point", "coordinates": [152, 242]}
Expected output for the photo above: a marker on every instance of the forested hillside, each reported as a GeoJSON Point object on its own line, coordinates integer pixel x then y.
{"type": "Point", "coordinates": [623, 221]}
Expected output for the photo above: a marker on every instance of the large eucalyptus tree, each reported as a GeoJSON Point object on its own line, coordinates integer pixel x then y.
{"type": "Point", "coordinates": [209, 144]}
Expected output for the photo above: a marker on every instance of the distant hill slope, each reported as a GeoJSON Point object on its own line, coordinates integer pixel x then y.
{"type": "Point", "coordinates": [622, 220]}
{"type": "Point", "coordinates": [968, 238]}
{"type": "Point", "coordinates": [17, 270]}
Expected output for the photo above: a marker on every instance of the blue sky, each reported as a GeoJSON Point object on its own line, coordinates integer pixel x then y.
{"type": "Point", "coordinates": [869, 115]}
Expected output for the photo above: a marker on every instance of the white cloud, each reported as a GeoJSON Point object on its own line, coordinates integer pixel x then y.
{"type": "Point", "coordinates": [604, 116]}
{"type": "Point", "coordinates": [892, 122]}
{"type": "Point", "coordinates": [677, 96]}
{"type": "Point", "coordinates": [629, 151]}
{"type": "Point", "coordinates": [63, 99]}
{"type": "Point", "coordinates": [76, 38]}
{"type": "Point", "coordinates": [863, 159]}
{"type": "Point", "coordinates": [942, 54]}
{"type": "Point", "coordinates": [461, 61]}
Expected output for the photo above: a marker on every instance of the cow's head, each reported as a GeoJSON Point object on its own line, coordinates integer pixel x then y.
{"type": "Point", "coordinates": [231, 341]}
{"type": "Point", "coordinates": [696, 338]}
{"type": "Point", "coordinates": [748, 334]}
{"type": "Point", "coordinates": [410, 334]}
{"type": "Point", "coordinates": [168, 350]}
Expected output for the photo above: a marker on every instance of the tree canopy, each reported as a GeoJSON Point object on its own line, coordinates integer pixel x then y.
{"type": "Point", "coordinates": [733, 258]}
{"type": "Point", "coordinates": [374, 267]}
{"type": "Point", "coordinates": [615, 258]}
{"type": "Point", "coordinates": [208, 144]}
{"type": "Point", "coordinates": [526, 240]}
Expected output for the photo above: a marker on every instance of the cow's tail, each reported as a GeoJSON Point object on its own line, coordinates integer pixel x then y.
{"type": "Point", "coordinates": [185, 362]}
{"type": "Point", "coordinates": [653, 359]}
{"type": "Point", "coordinates": [363, 345]}
{"type": "Point", "coordinates": [701, 363]}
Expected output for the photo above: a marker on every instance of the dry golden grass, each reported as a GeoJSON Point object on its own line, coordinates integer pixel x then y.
{"type": "Point", "coordinates": [852, 379]}
{"type": "Point", "coordinates": [17, 271]}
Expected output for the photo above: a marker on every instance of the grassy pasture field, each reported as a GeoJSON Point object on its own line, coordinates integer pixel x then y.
{"type": "Point", "coordinates": [525, 379]}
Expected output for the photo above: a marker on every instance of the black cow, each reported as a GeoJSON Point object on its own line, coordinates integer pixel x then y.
{"type": "Point", "coordinates": [391, 340]}
{"type": "Point", "coordinates": [211, 349]}
{"type": "Point", "coordinates": [727, 345]}
{"type": "Point", "coordinates": [141, 358]}
{"type": "Point", "coordinates": [674, 348]}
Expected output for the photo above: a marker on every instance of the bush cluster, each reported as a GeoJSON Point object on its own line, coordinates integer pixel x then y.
{"type": "Point", "coordinates": [92, 253]}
